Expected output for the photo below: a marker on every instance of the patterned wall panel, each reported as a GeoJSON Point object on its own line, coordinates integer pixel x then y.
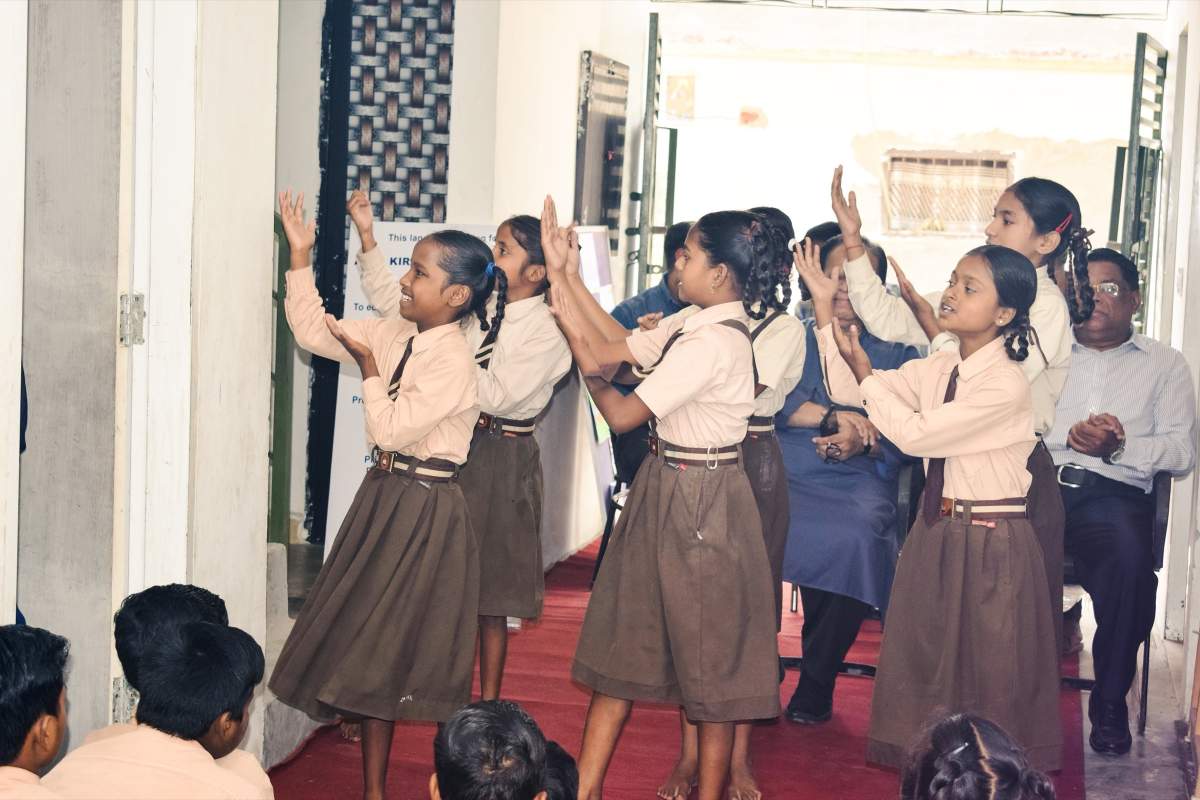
{"type": "Point", "coordinates": [400, 60]}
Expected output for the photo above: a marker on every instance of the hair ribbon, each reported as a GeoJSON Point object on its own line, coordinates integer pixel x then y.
{"type": "Point", "coordinates": [490, 270]}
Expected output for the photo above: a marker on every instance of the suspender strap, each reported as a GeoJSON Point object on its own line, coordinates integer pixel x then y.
{"type": "Point", "coordinates": [737, 325]}
{"type": "Point", "coordinates": [774, 315]}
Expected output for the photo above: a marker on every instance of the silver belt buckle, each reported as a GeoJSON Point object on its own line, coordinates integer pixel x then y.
{"type": "Point", "coordinates": [1062, 481]}
{"type": "Point", "coordinates": [712, 458]}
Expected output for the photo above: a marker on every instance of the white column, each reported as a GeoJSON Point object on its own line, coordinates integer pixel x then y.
{"type": "Point", "coordinates": [13, 53]}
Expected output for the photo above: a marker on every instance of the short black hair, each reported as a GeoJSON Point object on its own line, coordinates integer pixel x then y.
{"type": "Point", "coordinates": [190, 679]}
{"type": "Point", "coordinates": [1129, 270]}
{"type": "Point", "coordinates": [562, 776]}
{"type": "Point", "coordinates": [673, 240]}
{"type": "Point", "coordinates": [152, 614]}
{"type": "Point", "coordinates": [491, 750]}
{"type": "Point", "coordinates": [822, 233]}
{"type": "Point", "coordinates": [32, 675]}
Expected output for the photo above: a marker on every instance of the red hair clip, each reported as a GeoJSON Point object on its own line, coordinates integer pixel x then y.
{"type": "Point", "coordinates": [1062, 226]}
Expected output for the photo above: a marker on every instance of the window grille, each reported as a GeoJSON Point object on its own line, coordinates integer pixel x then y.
{"type": "Point", "coordinates": [940, 192]}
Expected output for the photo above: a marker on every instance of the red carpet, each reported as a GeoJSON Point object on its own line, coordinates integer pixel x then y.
{"type": "Point", "coordinates": [793, 762]}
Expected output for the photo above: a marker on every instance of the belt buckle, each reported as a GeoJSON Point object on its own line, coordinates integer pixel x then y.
{"type": "Point", "coordinates": [653, 441]}
{"type": "Point", "coordinates": [496, 427]}
{"type": "Point", "coordinates": [384, 461]}
{"type": "Point", "coordinates": [712, 458]}
{"type": "Point", "coordinates": [1063, 481]}
{"type": "Point", "coordinates": [948, 507]}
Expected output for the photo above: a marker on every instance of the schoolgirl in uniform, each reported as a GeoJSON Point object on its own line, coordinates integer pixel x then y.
{"type": "Point", "coordinates": [388, 631]}
{"type": "Point", "coordinates": [519, 357]}
{"type": "Point", "coordinates": [1040, 219]}
{"type": "Point", "coordinates": [681, 609]}
{"type": "Point", "coordinates": [969, 624]}
{"type": "Point", "coordinates": [778, 341]}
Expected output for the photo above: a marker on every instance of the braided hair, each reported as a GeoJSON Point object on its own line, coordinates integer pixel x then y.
{"type": "Point", "coordinates": [1016, 288]}
{"type": "Point", "coordinates": [1052, 207]}
{"type": "Point", "coordinates": [527, 231]}
{"type": "Point", "coordinates": [783, 225]}
{"type": "Point", "coordinates": [967, 757]}
{"type": "Point", "coordinates": [468, 261]}
{"type": "Point", "coordinates": [751, 248]}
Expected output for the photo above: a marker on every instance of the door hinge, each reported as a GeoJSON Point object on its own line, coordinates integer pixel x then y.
{"type": "Point", "coordinates": [133, 319]}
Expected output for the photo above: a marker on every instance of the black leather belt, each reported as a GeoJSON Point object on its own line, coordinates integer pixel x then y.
{"type": "Point", "coordinates": [1074, 476]}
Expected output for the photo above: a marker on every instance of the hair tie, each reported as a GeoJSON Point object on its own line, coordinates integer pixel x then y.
{"type": "Point", "coordinates": [490, 269]}
{"type": "Point", "coordinates": [1062, 226]}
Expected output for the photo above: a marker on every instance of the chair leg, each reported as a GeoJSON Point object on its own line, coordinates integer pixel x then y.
{"type": "Point", "coordinates": [795, 598]}
{"type": "Point", "coordinates": [1145, 686]}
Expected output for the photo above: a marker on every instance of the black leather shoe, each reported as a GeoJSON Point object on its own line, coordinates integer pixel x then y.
{"type": "Point", "coordinates": [802, 717]}
{"type": "Point", "coordinates": [808, 707]}
{"type": "Point", "coordinates": [1110, 728]}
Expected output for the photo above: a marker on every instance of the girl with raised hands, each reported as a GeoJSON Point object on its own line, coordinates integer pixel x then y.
{"type": "Point", "coordinates": [1040, 219]}
{"type": "Point", "coordinates": [969, 620]}
{"type": "Point", "coordinates": [388, 630]}
{"type": "Point", "coordinates": [681, 611]}
{"type": "Point", "coordinates": [520, 356]}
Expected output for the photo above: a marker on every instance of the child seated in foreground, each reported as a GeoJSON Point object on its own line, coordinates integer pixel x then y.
{"type": "Point", "coordinates": [33, 714]}
{"type": "Point", "coordinates": [489, 750]}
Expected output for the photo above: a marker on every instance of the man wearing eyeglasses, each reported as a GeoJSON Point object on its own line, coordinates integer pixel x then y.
{"type": "Point", "coordinates": [1127, 412]}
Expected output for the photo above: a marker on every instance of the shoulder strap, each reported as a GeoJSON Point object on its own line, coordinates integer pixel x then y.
{"type": "Point", "coordinates": [738, 325]}
{"type": "Point", "coordinates": [774, 315]}
{"type": "Point", "coordinates": [643, 372]}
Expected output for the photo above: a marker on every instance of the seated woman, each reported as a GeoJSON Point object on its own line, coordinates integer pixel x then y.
{"type": "Point", "coordinates": [841, 548]}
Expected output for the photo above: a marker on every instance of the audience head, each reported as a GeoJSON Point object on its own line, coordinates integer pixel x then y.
{"type": "Point", "coordinates": [197, 685]}
{"type": "Point", "coordinates": [740, 248]}
{"type": "Point", "coordinates": [150, 616]}
{"type": "Point", "coordinates": [822, 233]}
{"type": "Point", "coordinates": [991, 291]}
{"type": "Point", "coordinates": [562, 776]}
{"type": "Point", "coordinates": [450, 276]}
{"type": "Point", "coordinates": [672, 250]}
{"type": "Point", "coordinates": [490, 750]}
{"type": "Point", "coordinates": [518, 254]}
{"type": "Point", "coordinates": [783, 224]}
{"type": "Point", "coordinates": [965, 757]}
{"type": "Point", "coordinates": [833, 255]}
{"type": "Point", "coordinates": [1040, 219]}
{"type": "Point", "coordinates": [1115, 284]}
{"type": "Point", "coordinates": [33, 696]}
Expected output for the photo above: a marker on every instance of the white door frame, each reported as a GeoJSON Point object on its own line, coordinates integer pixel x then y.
{"type": "Point", "coordinates": [14, 50]}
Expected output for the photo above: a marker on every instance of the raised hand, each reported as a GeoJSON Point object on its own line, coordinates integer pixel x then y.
{"type": "Point", "coordinates": [555, 244]}
{"type": "Point", "coordinates": [572, 235]}
{"type": "Point", "coordinates": [852, 352]}
{"type": "Point", "coordinates": [355, 348]}
{"type": "Point", "coordinates": [301, 235]}
{"type": "Point", "coordinates": [821, 287]}
{"type": "Point", "coordinates": [845, 211]}
{"type": "Point", "coordinates": [562, 307]}
{"type": "Point", "coordinates": [921, 308]}
{"type": "Point", "coordinates": [359, 209]}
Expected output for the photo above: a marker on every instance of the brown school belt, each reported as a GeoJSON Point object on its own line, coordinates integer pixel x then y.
{"type": "Point", "coordinates": [498, 426]}
{"type": "Point", "coordinates": [431, 469]}
{"type": "Point", "coordinates": [983, 512]}
{"type": "Point", "coordinates": [760, 428]}
{"type": "Point", "coordinates": [707, 457]}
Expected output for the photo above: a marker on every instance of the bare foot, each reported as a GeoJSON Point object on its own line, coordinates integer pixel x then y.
{"type": "Point", "coordinates": [680, 783]}
{"type": "Point", "coordinates": [351, 731]}
{"type": "Point", "coordinates": [742, 785]}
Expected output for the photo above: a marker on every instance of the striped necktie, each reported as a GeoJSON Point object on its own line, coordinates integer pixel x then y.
{"type": "Point", "coordinates": [394, 386]}
{"type": "Point", "coordinates": [935, 476]}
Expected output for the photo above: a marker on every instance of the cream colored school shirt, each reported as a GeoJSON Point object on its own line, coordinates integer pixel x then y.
{"type": "Point", "coordinates": [435, 412]}
{"type": "Point", "coordinates": [21, 784]}
{"type": "Point", "coordinates": [985, 434]}
{"type": "Point", "coordinates": [889, 317]}
{"type": "Point", "coordinates": [239, 762]}
{"type": "Point", "coordinates": [528, 359]}
{"type": "Point", "coordinates": [702, 393]}
{"type": "Point", "coordinates": [147, 764]}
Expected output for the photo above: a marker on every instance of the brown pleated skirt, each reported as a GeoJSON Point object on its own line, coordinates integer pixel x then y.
{"type": "Point", "coordinates": [502, 482]}
{"type": "Point", "coordinates": [968, 630]}
{"type": "Point", "coordinates": [388, 630]}
{"type": "Point", "coordinates": [680, 612]}
{"type": "Point", "coordinates": [764, 467]}
{"type": "Point", "coordinates": [1049, 520]}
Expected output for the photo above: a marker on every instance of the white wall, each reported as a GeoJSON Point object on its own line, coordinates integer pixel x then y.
{"type": "Point", "coordinates": [845, 86]}
{"type": "Point", "coordinates": [232, 313]}
{"type": "Point", "coordinates": [13, 56]}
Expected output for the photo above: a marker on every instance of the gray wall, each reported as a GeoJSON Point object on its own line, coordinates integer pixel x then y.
{"type": "Point", "coordinates": [71, 210]}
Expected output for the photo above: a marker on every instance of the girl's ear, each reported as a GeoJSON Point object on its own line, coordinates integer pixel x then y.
{"type": "Point", "coordinates": [1048, 242]}
{"type": "Point", "coordinates": [534, 273]}
{"type": "Point", "coordinates": [720, 274]}
{"type": "Point", "coordinates": [456, 295]}
{"type": "Point", "coordinates": [1005, 315]}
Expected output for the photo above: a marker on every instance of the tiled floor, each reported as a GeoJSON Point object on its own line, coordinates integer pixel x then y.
{"type": "Point", "coordinates": [1154, 769]}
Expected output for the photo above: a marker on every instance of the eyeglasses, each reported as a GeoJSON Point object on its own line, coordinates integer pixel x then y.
{"type": "Point", "coordinates": [1110, 288]}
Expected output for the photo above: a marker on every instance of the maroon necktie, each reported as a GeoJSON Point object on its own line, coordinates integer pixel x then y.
{"type": "Point", "coordinates": [935, 475]}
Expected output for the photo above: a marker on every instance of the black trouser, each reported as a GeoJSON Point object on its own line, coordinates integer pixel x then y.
{"type": "Point", "coordinates": [1108, 534]}
{"type": "Point", "coordinates": [831, 623]}
{"type": "Point", "coordinates": [629, 450]}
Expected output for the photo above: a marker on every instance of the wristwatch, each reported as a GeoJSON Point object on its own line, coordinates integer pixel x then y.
{"type": "Point", "coordinates": [1115, 455]}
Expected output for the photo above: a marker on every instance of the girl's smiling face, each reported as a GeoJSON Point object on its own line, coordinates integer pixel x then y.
{"type": "Point", "coordinates": [970, 304]}
{"type": "Point", "coordinates": [426, 296]}
{"type": "Point", "coordinates": [1012, 227]}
